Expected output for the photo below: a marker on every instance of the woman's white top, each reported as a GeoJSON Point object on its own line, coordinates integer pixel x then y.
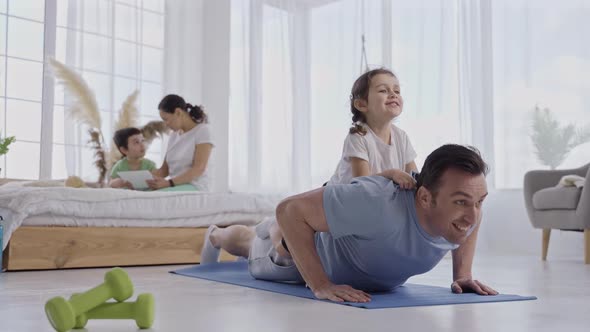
{"type": "Point", "coordinates": [181, 152]}
{"type": "Point", "coordinates": [378, 154]}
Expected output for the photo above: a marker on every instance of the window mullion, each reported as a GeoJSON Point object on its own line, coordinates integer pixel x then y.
{"type": "Point", "coordinates": [111, 76]}
{"type": "Point", "coordinates": [6, 83]}
{"type": "Point", "coordinates": [387, 32]}
{"type": "Point", "coordinates": [255, 94]}
{"type": "Point", "coordinates": [79, 55]}
{"type": "Point", "coordinates": [70, 130]}
{"type": "Point", "coordinates": [48, 92]}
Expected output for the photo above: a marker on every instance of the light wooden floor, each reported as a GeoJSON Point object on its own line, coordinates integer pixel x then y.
{"type": "Point", "coordinates": [187, 304]}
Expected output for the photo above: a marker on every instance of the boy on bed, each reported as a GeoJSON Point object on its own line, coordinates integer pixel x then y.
{"type": "Point", "coordinates": [129, 141]}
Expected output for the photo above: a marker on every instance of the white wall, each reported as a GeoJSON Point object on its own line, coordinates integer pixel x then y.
{"type": "Point", "coordinates": [197, 68]}
{"type": "Point", "coordinates": [506, 230]}
{"type": "Point", "coordinates": [183, 43]}
{"type": "Point", "coordinates": [215, 90]}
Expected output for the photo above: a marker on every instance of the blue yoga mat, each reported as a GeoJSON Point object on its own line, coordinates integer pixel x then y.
{"type": "Point", "coordinates": [408, 295]}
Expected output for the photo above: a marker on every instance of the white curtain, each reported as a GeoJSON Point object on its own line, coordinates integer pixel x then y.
{"type": "Point", "coordinates": [541, 58]}
{"type": "Point", "coordinates": [336, 61]}
{"type": "Point", "coordinates": [261, 96]}
{"type": "Point", "coordinates": [462, 64]}
{"type": "Point", "coordinates": [289, 91]}
{"type": "Point", "coordinates": [425, 55]}
{"type": "Point", "coordinates": [419, 42]}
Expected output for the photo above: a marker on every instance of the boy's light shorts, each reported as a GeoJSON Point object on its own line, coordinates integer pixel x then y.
{"type": "Point", "coordinates": [260, 263]}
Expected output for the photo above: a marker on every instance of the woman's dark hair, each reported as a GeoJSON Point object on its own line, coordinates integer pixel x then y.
{"type": "Point", "coordinates": [121, 137]}
{"type": "Point", "coordinates": [172, 102]}
{"type": "Point", "coordinates": [463, 158]}
{"type": "Point", "coordinates": [360, 90]}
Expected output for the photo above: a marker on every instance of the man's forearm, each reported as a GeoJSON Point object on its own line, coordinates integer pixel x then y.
{"type": "Point", "coordinates": [463, 257]}
{"type": "Point", "coordinates": [300, 239]}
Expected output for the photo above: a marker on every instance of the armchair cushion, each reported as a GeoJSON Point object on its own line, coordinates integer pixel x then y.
{"type": "Point", "coordinates": [557, 198]}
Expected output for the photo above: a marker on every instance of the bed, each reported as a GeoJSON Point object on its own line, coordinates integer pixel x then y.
{"type": "Point", "coordinates": [60, 227]}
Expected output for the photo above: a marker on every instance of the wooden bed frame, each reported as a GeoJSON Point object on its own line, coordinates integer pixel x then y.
{"type": "Point", "coordinates": [58, 247]}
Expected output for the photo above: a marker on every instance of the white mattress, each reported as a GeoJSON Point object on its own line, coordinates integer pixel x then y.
{"type": "Point", "coordinates": [126, 208]}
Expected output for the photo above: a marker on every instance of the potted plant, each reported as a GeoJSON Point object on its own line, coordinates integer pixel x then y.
{"type": "Point", "coordinates": [4, 143]}
{"type": "Point", "coordinates": [552, 141]}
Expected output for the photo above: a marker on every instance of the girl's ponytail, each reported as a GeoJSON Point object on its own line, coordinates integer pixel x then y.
{"type": "Point", "coordinates": [358, 119]}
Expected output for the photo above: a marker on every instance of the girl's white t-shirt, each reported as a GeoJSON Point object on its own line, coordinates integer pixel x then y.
{"type": "Point", "coordinates": [181, 151]}
{"type": "Point", "coordinates": [378, 154]}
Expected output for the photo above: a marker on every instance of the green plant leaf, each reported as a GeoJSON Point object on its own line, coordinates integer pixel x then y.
{"type": "Point", "coordinates": [4, 143]}
{"type": "Point", "coordinates": [553, 142]}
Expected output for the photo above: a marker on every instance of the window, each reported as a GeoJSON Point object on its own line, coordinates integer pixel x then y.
{"type": "Point", "coordinates": [117, 47]}
{"type": "Point", "coordinates": [21, 75]}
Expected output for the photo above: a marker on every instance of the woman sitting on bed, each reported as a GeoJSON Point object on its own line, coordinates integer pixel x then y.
{"type": "Point", "coordinates": [189, 148]}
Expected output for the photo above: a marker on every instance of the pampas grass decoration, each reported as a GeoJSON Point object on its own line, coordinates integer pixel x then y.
{"type": "Point", "coordinates": [128, 117]}
{"type": "Point", "coordinates": [83, 109]}
{"type": "Point", "coordinates": [99, 154]}
{"type": "Point", "coordinates": [154, 129]}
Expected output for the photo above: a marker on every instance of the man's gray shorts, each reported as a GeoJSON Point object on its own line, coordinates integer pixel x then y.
{"type": "Point", "coordinates": [260, 261]}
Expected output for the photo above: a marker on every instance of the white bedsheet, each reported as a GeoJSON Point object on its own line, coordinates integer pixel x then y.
{"type": "Point", "coordinates": [130, 208]}
{"type": "Point", "coordinates": [220, 219]}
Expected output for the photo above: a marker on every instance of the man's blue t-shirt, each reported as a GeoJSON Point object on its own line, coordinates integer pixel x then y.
{"type": "Point", "coordinates": [374, 241]}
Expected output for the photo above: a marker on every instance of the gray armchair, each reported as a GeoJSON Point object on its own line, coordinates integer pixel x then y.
{"type": "Point", "coordinates": [550, 207]}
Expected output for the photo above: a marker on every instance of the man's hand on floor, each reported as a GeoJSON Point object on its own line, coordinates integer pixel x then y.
{"type": "Point", "coordinates": [341, 293]}
{"type": "Point", "coordinates": [468, 285]}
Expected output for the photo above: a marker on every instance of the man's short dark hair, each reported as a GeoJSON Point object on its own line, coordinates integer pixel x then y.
{"type": "Point", "coordinates": [121, 137]}
{"type": "Point", "coordinates": [463, 158]}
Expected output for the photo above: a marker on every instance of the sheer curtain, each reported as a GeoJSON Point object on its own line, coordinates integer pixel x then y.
{"type": "Point", "coordinates": [291, 64]}
{"type": "Point", "coordinates": [289, 101]}
{"type": "Point", "coordinates": [425, 55]}
{"type": "Point", "coordinates": [541, 58]}
{"type": "Point", "coordinates": [471, 72]}
{"type": "Point", "coordinates": [262, 130]}
{"type": "Point", "coordinates": [336, 61]}
{"type": "Point", "coordinates": [441, 50]}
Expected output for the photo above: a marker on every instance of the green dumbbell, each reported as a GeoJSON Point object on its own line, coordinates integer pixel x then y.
{"type": "Point", "coordinates": [142, 311]}
{"type": "Point", "coordinates": [62, 313]}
